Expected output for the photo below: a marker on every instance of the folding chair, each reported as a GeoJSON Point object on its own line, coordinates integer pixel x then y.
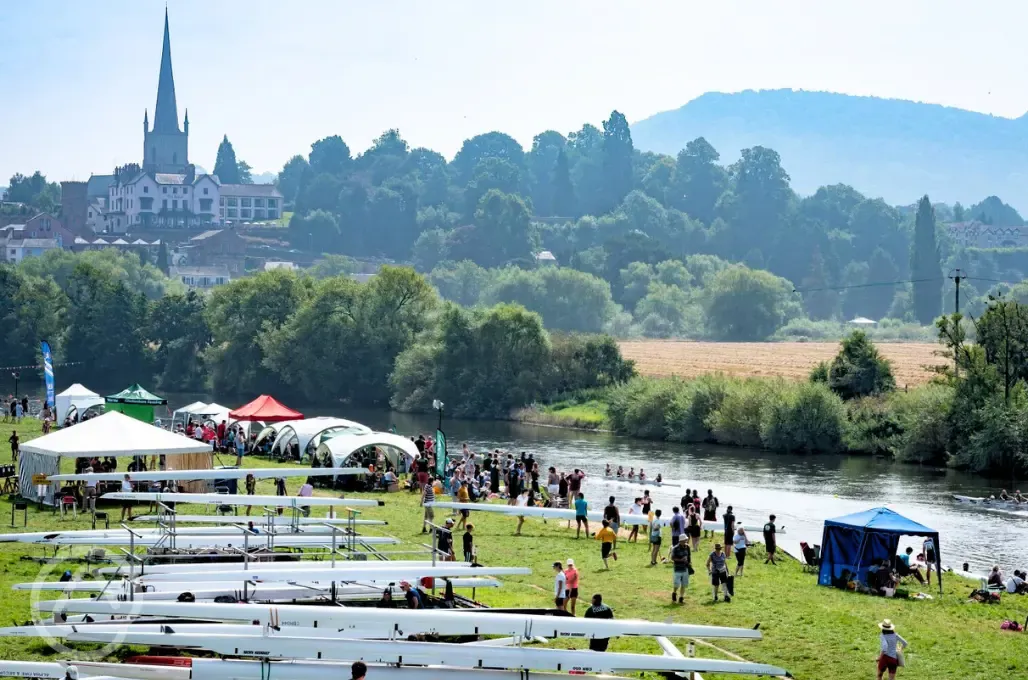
{"type": "Point", "coordinates": [101, 516]}
{"type": "Point", "coordinates": [811, 557]}
{"type": "Point", "coordinates": [69, 502]}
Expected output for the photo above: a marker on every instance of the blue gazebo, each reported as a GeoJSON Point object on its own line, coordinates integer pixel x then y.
{"type": "Point", "coordinates": [857, 541]}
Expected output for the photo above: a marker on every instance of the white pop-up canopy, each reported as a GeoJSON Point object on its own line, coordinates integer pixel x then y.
{"type": "Point", "coordinates": [341, 448]}
{"type": "Point", "coordinates": [309, 432]}
{"type": "Point", "coordinates": [112, 434]}
{"type": "Point", "coordinates": [77, 396]}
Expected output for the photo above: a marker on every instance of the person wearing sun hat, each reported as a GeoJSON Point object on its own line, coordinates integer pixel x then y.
{"type": "Point", "coordinates": [891, 656]}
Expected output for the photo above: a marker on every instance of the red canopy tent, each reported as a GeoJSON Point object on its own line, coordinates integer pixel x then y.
{"type": "Point", "coordinates": [266, 409]}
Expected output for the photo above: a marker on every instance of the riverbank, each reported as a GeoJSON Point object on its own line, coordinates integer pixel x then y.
{"type": "Point", "coordinates": [590, 414]}
{"type": "Point", "coordinates": [807, 628]}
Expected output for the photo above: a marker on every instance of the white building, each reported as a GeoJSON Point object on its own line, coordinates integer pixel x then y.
{"type": "Point", "coordinates": [16, 250]}
{"type": "Point", "coordinates": [201, 278]}
{"type": "Point", "coordinates": [249, 203]}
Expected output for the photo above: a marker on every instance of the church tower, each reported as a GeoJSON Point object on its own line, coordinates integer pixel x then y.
{"type": "Point", "coordinates": [165, 147]}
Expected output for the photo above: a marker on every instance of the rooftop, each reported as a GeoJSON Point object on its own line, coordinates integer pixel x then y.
{"type": "Point", "coordinates": [251, 190]}
{"type": "Point", "coordinates": [34, 243]}
{"type": "Point", "coordinates": [215, 270]}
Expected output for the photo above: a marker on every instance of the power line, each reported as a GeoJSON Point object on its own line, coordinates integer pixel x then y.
{"type": "Point", "coordinates": [864, 285]}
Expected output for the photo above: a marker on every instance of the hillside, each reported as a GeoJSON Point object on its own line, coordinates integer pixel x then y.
{"type": "Point", "coordinates": [891, 148]}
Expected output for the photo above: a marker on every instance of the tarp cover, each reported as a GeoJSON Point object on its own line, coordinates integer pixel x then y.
{"type": "Point", "coordinates": [342, 447]}
{"type": "Point", "coordinates": [306, 430]}
{"type": "Point", "coordinates": [267, 409]}
{"type": "Point", "coordinates": [136, 394]}
{"type": "Point", "coordinates": [855, 542]}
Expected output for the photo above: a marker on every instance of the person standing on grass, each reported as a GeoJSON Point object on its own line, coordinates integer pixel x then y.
{"type": "Point", "coordinates": [571, 583]}
{"type": "Point", "coordinates": [126, 505]}
{"type": "Point", "coordinates": [636, 509]}
{"type": "Point", "coordinates": [928, 547]}
{"type": "Point", "coordinates": [427, 497]}
{"type": "Point", "coordinates": [729, 519]}
{"type": "Point", "coordinates": [469, 543]}
{"type": "Point", "coordinates": [598, 610]}
{"type": "Point", "coordinates": [710, 506]}
{"type": "Point", "coordinates": [606, 537]}
{"type": "Point", "coordinates": [581, 515]}
{"type": "Point", "coordinates": [770, 540]}
{"type": "Point", "coordinates": [463, 497]}
{"type": "Point", "coordinates": [560, 585]}
{"type": "Point", "coordinates": [612, 514]}
{"type": "Point", "coordinates": [14, 442]}
{"type": "Point", "coordinates": [695, 529]}
{"type": "Point", "coordinates": [654, 532]}
{"type": "Point", "coordinates": [890, 649]}
{"type": "Point", "coordinates": [251, 488]}
{"type": "Point", "coordinates": [677, 526]}
{"type": "Point", "coordinates": [444, 540]}
{"type": "Point", "coordinates": [681, 557]}
{"type": "Point", "coordinates": [741, 544]}
{"type": "Point", "coordinates": [718, 569]}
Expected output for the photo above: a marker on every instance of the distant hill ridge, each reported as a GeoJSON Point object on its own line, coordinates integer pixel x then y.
{"type": "Point", "coordinates": [891, 148]}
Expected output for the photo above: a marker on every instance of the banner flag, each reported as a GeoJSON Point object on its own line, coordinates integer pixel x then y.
{"type": "Point", "coordinates": [440, 454]}
{"type": "Point", "coordinates": [48, 372]}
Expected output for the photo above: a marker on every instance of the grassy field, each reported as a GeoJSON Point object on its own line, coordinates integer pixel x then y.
{"type": "Point", "coordinates": [791, 360]}
{"type": "Point", "coordinates": [812, 631]}
{"type": "Point", "coordinates": [590, 415]}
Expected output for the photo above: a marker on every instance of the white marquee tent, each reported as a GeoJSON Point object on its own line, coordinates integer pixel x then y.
{"type": "Point", "coordinates": [78, 397]}
{"type": "Point", "coordinates": [112, 434]}
{"type": "Point", "coordinates": [311, 429]}
{"type": "Point", "coordinates": [341, 448]}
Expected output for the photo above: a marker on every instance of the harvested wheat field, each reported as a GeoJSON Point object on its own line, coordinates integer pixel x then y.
{"type": "Point", "coordinates": [768, 359]}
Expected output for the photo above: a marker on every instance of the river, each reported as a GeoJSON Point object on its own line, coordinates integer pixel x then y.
{"type": "Point", "coordinates": [802, 491]}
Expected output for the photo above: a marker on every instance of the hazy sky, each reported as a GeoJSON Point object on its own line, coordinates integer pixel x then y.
{"type": "Point", "coordinates": [76, 76]}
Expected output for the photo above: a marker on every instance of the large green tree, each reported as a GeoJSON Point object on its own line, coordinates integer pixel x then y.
{"type": "Point", "coordinates": [747, 304]}
{"type": "Point", "coordinates": [565, 299]}
{"type": "Point", "coordinates": [617, 158]}
{"type": "Point", "coordinates": [291, 176]}
{"type": "Point", "coordinates": [330, 156]}
{"type": "Point", "coordinates": [563, 202]}
{"type": "Point", "coordinates": [226, 167]}
{"type": "Point", "coordinates": [925, 269]}
{"type": "Point", "coordinates": [698, 181]}
{"type": "Point", "coordinates": [177, 334]}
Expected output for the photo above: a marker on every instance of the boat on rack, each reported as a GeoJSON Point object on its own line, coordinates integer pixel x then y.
{"type": "Point", "coordinates": [404, 622]}
{"type": "Point", "coordinates": [258, 520]}
{"type": "Point", "coordinates": [207, 474]}
{"type": "Point", "coordinates": [277, 646]}
{"type": "Point", "coordinates": [543, 513]}
{"type": "Point", "coordinates": [382, 571]}
{"type": "Point", "coordinates": [243, 499]}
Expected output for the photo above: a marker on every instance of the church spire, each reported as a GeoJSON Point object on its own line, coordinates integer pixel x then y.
{"type": "Point", "coordinates": [165, 116]}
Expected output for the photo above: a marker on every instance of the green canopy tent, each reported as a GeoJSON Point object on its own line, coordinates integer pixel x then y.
{"type": "Point", "coordinates": [136, 402]}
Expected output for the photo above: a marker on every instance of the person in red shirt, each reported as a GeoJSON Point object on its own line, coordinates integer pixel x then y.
{"type": "Point", "coordinates": [571, 599]}
{"type": "Point", "coordinates": [221, 433]}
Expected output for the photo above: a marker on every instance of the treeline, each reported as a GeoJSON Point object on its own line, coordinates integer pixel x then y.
{"type": "Point", "coordinates": [605, 209]}
{"type": "Point", "coordinates": [972, 416]}
{"type": "Point", "coordinates": [113, 319]}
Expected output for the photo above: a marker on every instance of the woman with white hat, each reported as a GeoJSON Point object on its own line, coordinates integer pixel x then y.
{"type": "Point", "coordinates": [891, 656]}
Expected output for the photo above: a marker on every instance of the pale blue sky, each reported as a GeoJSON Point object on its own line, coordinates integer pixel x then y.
{"type": "Point", "coordinates": [76, 76]}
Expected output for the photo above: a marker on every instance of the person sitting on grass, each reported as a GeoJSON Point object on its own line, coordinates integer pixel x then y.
{"type": "Point", "coordinates": [607, 536]}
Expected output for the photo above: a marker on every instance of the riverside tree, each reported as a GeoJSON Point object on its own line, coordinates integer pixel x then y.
{"type": "Point", "coordinates": [924, 265]}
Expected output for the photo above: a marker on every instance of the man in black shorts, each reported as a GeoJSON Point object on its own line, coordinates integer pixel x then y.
{"type": "Point", "coordinates": [729, 519]}
{"type": "Point", "coordinates": [770, 540]}
{"type": "Point", "coordinates": [560, 585]}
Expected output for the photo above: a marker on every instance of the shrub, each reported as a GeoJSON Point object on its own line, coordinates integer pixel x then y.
{"type": "Point", "coordinates": [809, 419]}
{"type": "Point", "coordinates": [687, 422]}
{"type": "Point", "coordinates": [641, 407]}
{"type": "Point", "coordinates": [737, 419]}
{"type": "Point", "coordinates": [924, 416]}
{"type": "Point", "coordinates": [858, 370]}
{"type": "Point", "coordinates": [873, 427]}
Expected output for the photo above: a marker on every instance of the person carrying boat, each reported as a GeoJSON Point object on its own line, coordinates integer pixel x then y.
{"type": "Point", "coordinates": [598, 610]}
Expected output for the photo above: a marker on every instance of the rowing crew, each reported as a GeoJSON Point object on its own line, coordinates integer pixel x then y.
{"type": "Point", "coordinates": [631, 474]}
{"type": "Point", "coordinates": [1015, 498]}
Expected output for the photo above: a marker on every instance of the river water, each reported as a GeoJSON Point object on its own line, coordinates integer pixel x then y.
{"type": "Point", "coordinates": [802, 491]}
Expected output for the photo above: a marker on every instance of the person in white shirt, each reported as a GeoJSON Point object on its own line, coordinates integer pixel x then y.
{"type": "Point", "coordinates": [126, 506]}
{"type": "Point", "coordinates": [740, 542]}
{"type": "Point", "coordinates": [1016, 583]}
{"type": "Point", "coordinates": [560, 585]}
{"type": "Point", "coordinates": [636, 509]}
{"type": "Point", "coordinates": [90, 498]}
{"type": "Point", "coordinates": [890, 646]}
{"type": "Point", "coordinates": [306, 491]}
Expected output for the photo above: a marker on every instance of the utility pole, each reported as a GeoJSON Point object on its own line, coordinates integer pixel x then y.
{"type": "Point", "coordinates": [957, 275]}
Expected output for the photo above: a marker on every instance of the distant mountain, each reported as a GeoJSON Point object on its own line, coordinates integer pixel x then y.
{"type": "Point", "coordinates": [891, 148]}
